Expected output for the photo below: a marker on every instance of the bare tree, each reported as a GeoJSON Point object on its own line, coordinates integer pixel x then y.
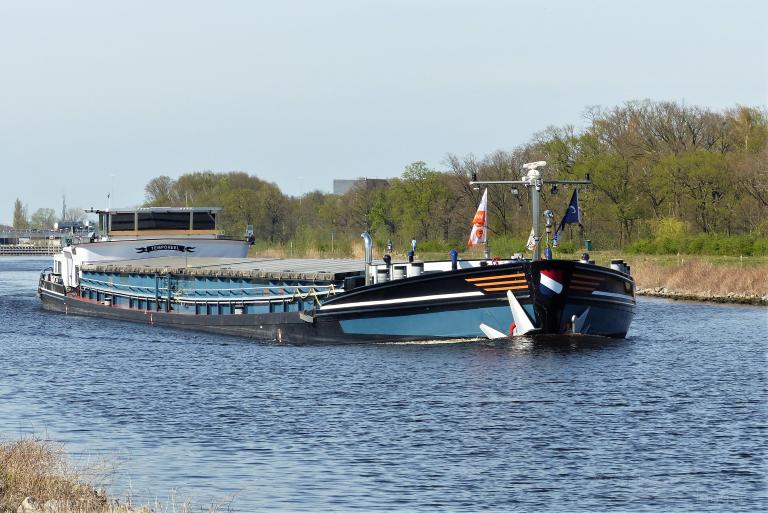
{"type": "Point", "coordinates": [74, 214]}
{"type": "Point", "coordinates": [43, 219]}
{"type": "Point", "coordinates": [161, 191]}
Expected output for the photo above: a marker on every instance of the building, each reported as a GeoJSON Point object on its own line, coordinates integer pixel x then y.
{"type": "Point", "coordinates": [342, 186]}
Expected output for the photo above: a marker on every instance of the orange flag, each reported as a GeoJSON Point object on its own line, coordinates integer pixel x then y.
{"type": "Point", "coordinates": [480, 222]}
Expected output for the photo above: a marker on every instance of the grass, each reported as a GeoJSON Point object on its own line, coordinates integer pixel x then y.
{"type": "Point", "coordinates": [605, 257]}
{"type": "Point", "coordinates": [678, 242]}
{"type": "Point", "coordinates": [41, 471]}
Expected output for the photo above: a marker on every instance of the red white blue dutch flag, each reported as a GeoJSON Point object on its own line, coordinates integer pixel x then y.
{"type": "Point", "coordinates": [551, 282]}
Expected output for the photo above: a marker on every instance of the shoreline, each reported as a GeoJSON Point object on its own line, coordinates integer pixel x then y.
{"type": "Point", "coordinates": [38, 476]}
{"type": "Point", "coordinates": [729, 298]}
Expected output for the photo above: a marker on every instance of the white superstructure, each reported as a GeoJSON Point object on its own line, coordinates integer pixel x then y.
{"type": "Point", "coordinates": [148, 233]}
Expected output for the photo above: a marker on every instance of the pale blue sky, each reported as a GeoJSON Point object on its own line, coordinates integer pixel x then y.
{"type": "Point", "coordinates": [301, 92]}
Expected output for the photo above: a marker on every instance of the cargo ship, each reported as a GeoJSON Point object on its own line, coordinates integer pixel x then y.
{"type": "Point", "coordinates": [160, 267]}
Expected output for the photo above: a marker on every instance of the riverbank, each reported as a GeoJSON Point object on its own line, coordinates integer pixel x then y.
{"type": "Point", "coordinates": [731, 297]}
{"type": "Point", "coordinates": [36, 476]}
{"type": "Point", "coordinates": [713, 279]}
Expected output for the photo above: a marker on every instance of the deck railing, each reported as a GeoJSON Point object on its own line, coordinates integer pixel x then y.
{"type": "Point", "coordinates": [255, 294]}
{"type": "Point", "coordinates": [27, 250]}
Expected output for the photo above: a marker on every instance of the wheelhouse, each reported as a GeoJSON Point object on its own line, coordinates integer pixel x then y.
{"type": "Point", "coordinates": [152, 222]}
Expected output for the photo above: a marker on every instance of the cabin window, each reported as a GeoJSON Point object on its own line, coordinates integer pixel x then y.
{"type": "Point", "coordinates": [203, 221]}
{"type": "Point", "coordinates": [163, 221]}
{"type": "Point", "coordinates": [122, 222]}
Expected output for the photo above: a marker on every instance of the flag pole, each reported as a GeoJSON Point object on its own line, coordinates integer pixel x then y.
{"type": "Point", "coordinates": [533, 181]}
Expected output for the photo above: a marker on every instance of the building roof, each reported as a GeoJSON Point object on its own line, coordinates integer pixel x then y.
{"type": "Point", "coordinates": [156, 210]}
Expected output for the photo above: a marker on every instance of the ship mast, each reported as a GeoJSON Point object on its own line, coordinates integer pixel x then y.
{"type": "Point", "coordinates": [533, 181]}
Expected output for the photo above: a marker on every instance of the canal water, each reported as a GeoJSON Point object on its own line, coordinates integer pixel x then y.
{"type": "Point", "coordinates": [672, 419]}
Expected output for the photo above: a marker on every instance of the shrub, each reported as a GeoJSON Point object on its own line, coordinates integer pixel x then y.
{"type": "Point", "coordinates": [437, 246]}
{"type": "Point", "coordinates": [760, 247]}
{"type": "Point", "coordinates": [669, 227]}
{"type": "Point", "coordinates": [702, 244]}
{"type": "Point", "coordinates": [569, 247]}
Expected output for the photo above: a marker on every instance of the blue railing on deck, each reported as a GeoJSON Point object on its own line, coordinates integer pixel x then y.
{"type": "Point", "coordinates": [264, 293]}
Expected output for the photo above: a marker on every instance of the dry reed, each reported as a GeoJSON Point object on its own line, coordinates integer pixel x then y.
{"type": "Point", "coordinates": [40, 469]}
{"type": "Point", "coordinates": [33, 468]}
{"type": "Point", "coordinates": [357, 252]}
{"type": "Point", "coordinates": [700, 277]}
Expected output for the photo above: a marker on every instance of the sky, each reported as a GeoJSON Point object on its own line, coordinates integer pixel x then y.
{"type": "Point", "coordinates": [100, 96]}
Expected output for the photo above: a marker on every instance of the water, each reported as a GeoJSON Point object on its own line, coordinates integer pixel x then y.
{"type": "Point", "coordinates": [672, 419]}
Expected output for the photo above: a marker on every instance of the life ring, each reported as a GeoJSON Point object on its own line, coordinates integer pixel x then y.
{"type": "Point", "coordinates": [512, 327]}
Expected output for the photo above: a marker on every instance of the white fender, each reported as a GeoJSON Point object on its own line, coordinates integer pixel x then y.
{"type": "Point", "coordinates": [578, 322]}
{"type": "Point", "coordinates": [523, 323]}
{"type": "Point", "coordinates": [491, 332]}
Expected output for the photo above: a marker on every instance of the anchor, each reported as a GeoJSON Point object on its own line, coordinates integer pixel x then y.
{"type": "Point", "coordinates": [523, 323]}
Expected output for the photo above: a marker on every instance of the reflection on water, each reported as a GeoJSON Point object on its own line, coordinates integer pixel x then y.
{"type": "Point", "coordinates": [671, 419]}
{"type": "Point", "coordinates": [555, 343]}
{"type": "Point", "coordinates": [542, 343]}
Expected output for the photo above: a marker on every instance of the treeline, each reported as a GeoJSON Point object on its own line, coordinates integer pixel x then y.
{"type": "Point", "coordinates": [653, 164]}
{"type": "Point", "coordinates": [43, 218]}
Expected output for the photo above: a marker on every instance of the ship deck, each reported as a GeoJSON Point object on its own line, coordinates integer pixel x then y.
{"type": "Point", "coordinates": [269, 268]}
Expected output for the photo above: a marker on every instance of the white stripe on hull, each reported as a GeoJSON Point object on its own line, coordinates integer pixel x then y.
{"type": "Point", "coordinates": [612, 294]}
{"type": "Point", "coordinates": [415, 299]}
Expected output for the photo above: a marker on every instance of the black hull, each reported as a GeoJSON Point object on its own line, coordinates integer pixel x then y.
{"type": "Point", "coordinates": [443, 305]}
{"type": "Point", "coordinates": [609, 294]}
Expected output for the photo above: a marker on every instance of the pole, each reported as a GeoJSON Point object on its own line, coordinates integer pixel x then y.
{"type": "Point", "coordinates": [111, 190]}
{"type": "Point", "coordinates": [533, 181]}
{"type": "Point", "coordinates": [535, 178]}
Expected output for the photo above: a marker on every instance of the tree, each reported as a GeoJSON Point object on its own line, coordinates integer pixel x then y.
{"type": "Point", "coordinates": [362, 199]}
{"type": "Point", "coordinates": [43, 219]}
{"type": "Point", "coordinates": [615, 178]}
{"type": "Point", "coordinates": [161, 191]}
{"type": "Point", "coordinates": [420, 200]}
{"type": "Point", "coordinates": [74, 215]}
{"type": "Point", "coordinates": [381, 218]}
{"type": "Point", "coordinates": [274, 211]}
{"type": "Point", "coordinates": [706, 187]}
{"type": "Point", "coordinates": [20, 220]}
{"type": "Point", "coordinates": [240, 209]}
{"type": "Point", "coordinates": [200, 188]}
{"type": "Point", "coordinates": [747, 129]}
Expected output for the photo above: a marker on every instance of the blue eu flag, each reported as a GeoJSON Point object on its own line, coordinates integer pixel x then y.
{"type": "Point", "coordinates": [571, 216]}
